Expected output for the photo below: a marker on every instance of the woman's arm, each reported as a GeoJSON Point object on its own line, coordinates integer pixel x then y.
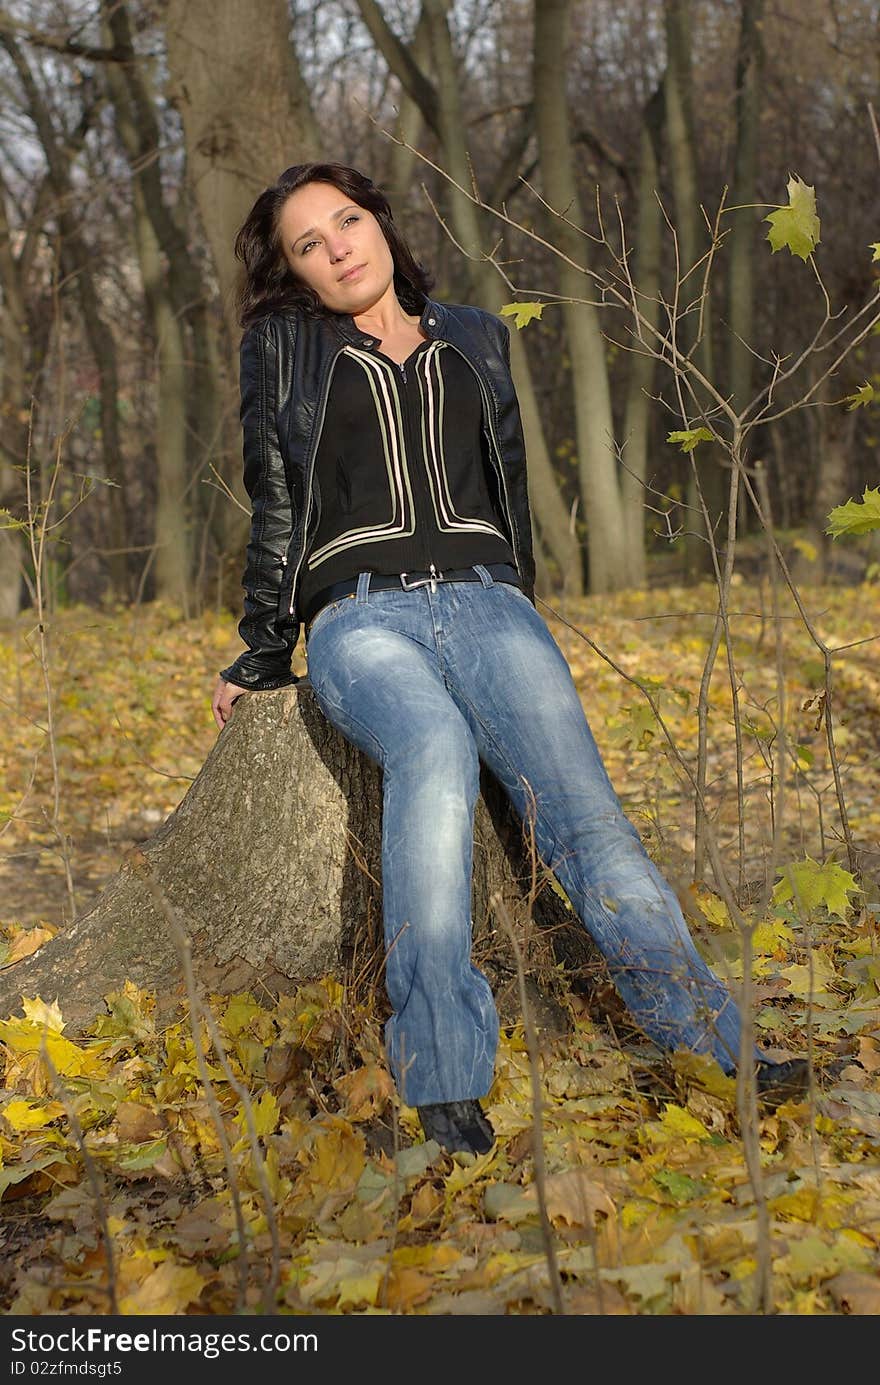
{"type": "Point", "coordinates": [514, 445]}
{"type": "Point", "coordinates": [270, 634]}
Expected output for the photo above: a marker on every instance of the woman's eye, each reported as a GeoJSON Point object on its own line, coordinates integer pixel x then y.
{"type": "Point", "coordinates": [352, 216]}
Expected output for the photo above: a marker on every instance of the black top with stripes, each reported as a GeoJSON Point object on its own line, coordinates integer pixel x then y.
{"type": "Point", "coordinates": [403, 477]}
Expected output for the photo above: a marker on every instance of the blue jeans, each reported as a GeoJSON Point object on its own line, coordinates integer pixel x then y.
{"type": "Point", "coordinates": [426, 683]}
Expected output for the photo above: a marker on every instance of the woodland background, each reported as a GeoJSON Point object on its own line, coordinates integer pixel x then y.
{"type": "Point", "coordinates": [724, 643]}
{"type": "Point", "coordinates": [135, 138]}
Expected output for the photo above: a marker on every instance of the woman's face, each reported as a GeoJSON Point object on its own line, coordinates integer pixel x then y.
{"type": "Point", "coordinates": [324, 235]}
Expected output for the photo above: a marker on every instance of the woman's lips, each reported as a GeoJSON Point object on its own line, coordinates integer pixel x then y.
{"type": "Point", "coordinates": [352, 274]}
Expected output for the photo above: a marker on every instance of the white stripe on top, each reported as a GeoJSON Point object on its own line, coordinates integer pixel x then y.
{"type": "Point", "coordinates": [387, 399]}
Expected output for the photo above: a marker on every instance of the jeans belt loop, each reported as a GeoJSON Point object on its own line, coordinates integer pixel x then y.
{"type": "Point", "coordinates": [484, 574]}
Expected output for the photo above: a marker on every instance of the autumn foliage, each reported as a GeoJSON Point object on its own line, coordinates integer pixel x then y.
{"type": "Point", "coordinates": [267, 1156]}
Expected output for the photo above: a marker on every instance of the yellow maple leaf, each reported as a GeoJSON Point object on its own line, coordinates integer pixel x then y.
{"type": "Point", "coordinates": [26, 1064]}
{"type": "Point", "coordinates": [170, 1289]}
{"type": "Point", "coordinates": [677, 1123]}
{"type": "Point", "coordinates": [24, 1115]}
{"type": "Point", "coordinates": [809, 1204]}
{"type": "Point", "coordinates": [338, 1159]}
{"type": "Point", "coordinates": [265, 1115]}
{"type": "Point", "coordinates": [39, 1013]}
{"type": "Point", "coordinates": [770, 935]}
{"type": "Point", "coordinates": [435, 1257]}
{"type": "Point", "coordinates": [814, 979]}
{"type": "Point", "coordinates": [279, 1186]}
{"type": "Point", "coordinates": [711, 907]}
{"type": "Point", "coordinates": [351, 1281]}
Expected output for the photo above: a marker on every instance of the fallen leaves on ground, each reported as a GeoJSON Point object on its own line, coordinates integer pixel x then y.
{"type": "Point", "coordinates": [645, 1189]}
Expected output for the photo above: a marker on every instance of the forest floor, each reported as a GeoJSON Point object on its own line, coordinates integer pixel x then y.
{"type": "Point", "coordinates": [333, 1192]}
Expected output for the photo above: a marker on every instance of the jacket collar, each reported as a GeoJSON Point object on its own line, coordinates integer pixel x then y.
{"type": "Point", "coordinates": [431, 322]}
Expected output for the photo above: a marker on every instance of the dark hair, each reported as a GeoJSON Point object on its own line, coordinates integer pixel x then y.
{"type": "Point", "coordinates": [268, 284]}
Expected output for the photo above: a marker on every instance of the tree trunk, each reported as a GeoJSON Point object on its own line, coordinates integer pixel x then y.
{"type": "Point", "coordinates": [272, 865]}
{"type": "Point", "coordinates": [597, 460]}
{"type": "Point", "coordinates": [640, 378]}
{"type": "Point", "coordinates": [26, 320]}
{"type": "Point", "coordinates": [743, 224]}
{"type": "Point", "coordinates": [410, 123]}
{"type": "Point", "coordinates": [191, 429]}
{"type": "Point", "coordinates": [76, 258]}
{"type": "Point", "coordinates": [172, 526]}
{"type": "Point", "coordinates": [15, 344]}
{"type": "Point", "coordinates": [741, 247]}
{"type": "Point", "coordinates": [694, 328]}
{"type": "Point", "coordinates": [235, 145]}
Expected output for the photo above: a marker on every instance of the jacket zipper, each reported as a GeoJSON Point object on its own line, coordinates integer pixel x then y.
{"type": "Point", "coordinates": [496, 462]}
{"type": "Point", "coordinates": [411, 463]}
{"type": "Point", "coordinates": [310, 471]}
{"type": "Point", "coordinates": [493, 437]}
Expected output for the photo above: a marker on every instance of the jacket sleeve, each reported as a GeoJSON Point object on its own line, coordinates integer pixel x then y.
{"type": "Point", "coordinates": [512, 431]}
{"type": "Point", "coordinates": [270, 633]}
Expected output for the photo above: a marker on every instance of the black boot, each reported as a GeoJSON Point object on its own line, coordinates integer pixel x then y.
{"type": "Point", "coordinates": [779, 1082]}
{"type": "Point", "coordinates": [457, 1125]}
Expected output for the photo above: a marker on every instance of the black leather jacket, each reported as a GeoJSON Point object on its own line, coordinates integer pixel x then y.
{"type": "Point", "coordinates": [286, 362]}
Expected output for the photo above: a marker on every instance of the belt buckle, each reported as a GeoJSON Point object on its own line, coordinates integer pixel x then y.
{"type": "Point", "coordinates": [433, 578]}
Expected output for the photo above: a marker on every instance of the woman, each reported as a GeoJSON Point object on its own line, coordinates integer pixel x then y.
{"type": "Point", "coordinates": [384, 458]}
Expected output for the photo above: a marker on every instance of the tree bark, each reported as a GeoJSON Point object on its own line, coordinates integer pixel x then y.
{"type": "Point", "coordinates": [15, 345]}
{"type": "Point", "coordinates": [272, 866]}
{"type": "Point", "coordinates": [741, 273]}
{"type": "Point", "coordinates": [597, 460]}
{"type": "Point", "coordinates": [76, 257]}
{"type": "Point", "coordinates": [190, 425]}
{"type": "Point", "coordinates": [26, 321]}
{"type": "Point", "coordinates": [742, 247]}
{"type": "Point", "coordinates": [410, 123]}
{"type": "Point", "coordinates": [640, 378]}
{"type": "Point", "coordinates": [235, 145]}
{"type": "Point", "coordinates": [694, 327]}
{"type": "Point", "coordinates": [172, 527]}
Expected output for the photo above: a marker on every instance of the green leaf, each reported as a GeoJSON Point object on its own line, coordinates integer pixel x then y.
{"type": "Point", "coordinates": [134, 1157]}
{"type": "Point", "coordinates": [680, 1186]}
{"type": "Point", "coordinates": [804, 757]}
{"type": "Point", "coordinates": [522, 313]}
{"type": "Point", "coordinates": [636, 726]}
{"type": "Point", "coordinates": [863, 396]}
{"type": "Point", "coordinates": [811, 885]}
{"type": "Point", "coordinates": [689, 437]}
{"type": "Point", "coordinates": [856, 516]}
{"type": "Point", "coordinates": [875, 246]}
{"type": "Point", "coordinates": [797, 225]}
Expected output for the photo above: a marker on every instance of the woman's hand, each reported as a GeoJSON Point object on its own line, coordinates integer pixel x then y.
{"type": "Point", "coordinates": [221, 703]}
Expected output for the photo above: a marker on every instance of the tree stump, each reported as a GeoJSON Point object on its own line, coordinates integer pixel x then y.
{"type": "Point", "coordinates": [272, 864]}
